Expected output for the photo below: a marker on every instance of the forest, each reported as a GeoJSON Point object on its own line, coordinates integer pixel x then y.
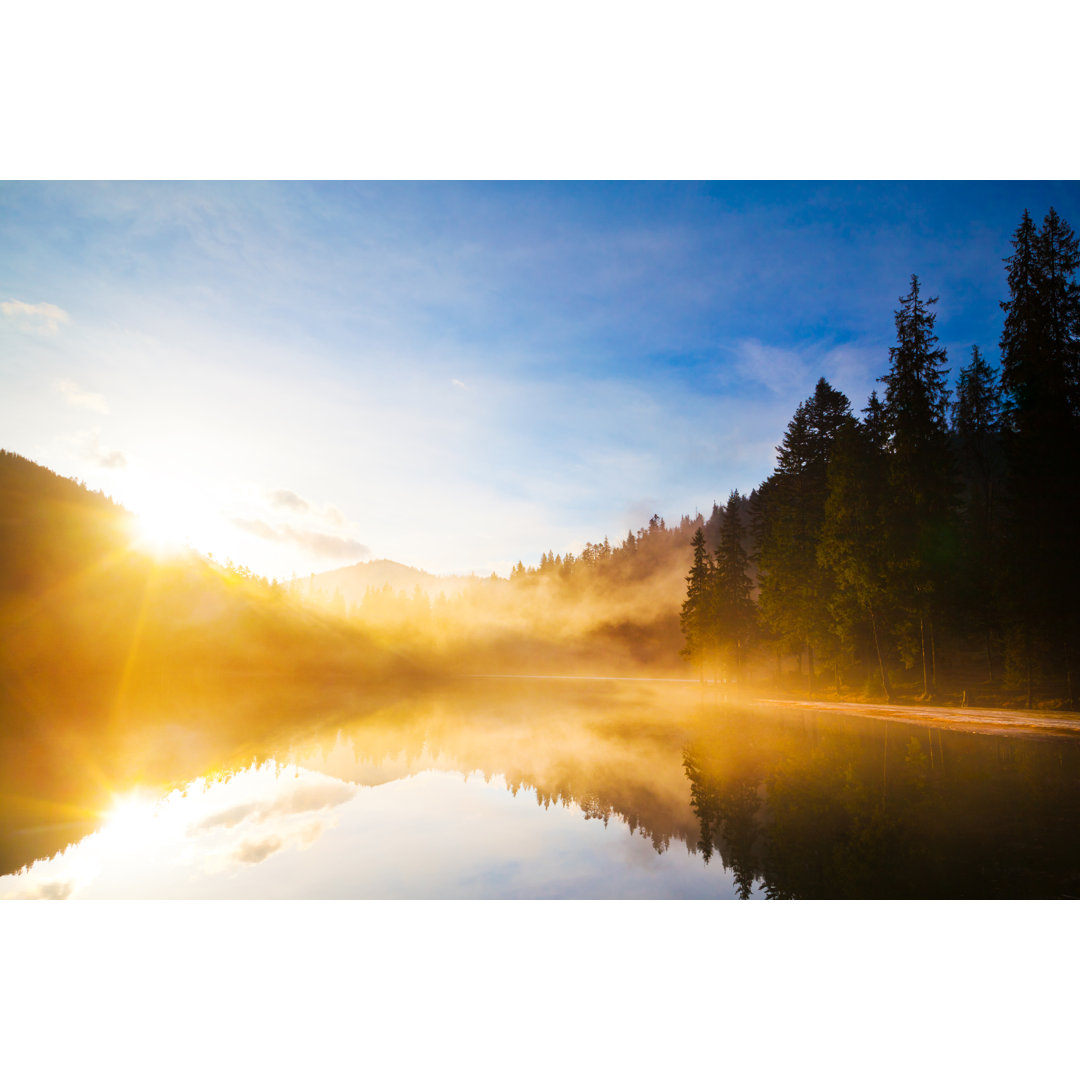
{"type": "Point", "coordinates": [929, 544]}
{"type": "Point", "coordinates": [921, 549]}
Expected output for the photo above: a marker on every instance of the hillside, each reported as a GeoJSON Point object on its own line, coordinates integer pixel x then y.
{"type": "Point", "coordinates": [353, 582]}
{"type": "Point", "coordinates": [116, 667]}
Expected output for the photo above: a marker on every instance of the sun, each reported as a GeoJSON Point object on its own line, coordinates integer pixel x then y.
{"type": "Point", "coordinates": [169, 517]}
{"type": "Point", "coordinates": [132, 818]}
{"type": "Point", "coordinates": [161, 529]}
{"type": "Point", "coordinates": [174, 515]}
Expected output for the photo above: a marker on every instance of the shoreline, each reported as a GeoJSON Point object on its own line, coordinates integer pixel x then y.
{"type": "Point", "coordinates": [988, 721]}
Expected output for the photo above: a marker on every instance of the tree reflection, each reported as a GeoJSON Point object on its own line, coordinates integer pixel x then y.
{"type": "Point", "coordinates": [843, 810]}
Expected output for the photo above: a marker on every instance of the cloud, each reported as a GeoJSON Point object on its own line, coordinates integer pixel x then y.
{"type": "Point", "coordinates": [326, 545]}
{"type": "Point", "coordinates": [779, 370]}
{"type": "Point", "coordinates": [257, 528]}
{"type": "Point", "coordinates": [99, 455]}
{"type": "Point", "coordinates": [312, 797]}
{"type": "Point", "coordinates": [37, 318]}
{"type": "Point", "coordinates": [854, 369]}
{"type": "Point", "coordinates": [458, 383]}
{"type": "Point", "coordinates": [293, 816]}
{"type": "Point", "coordinates": [47, 890]}
{"type": "Point", "coordinates": [226, 818]}
{"type": "Point", "coordinates": [84, 399]}
{"type": "Point", "coordinates": [318, 796]}
{"type": "Point", "coordinates": [288, 500]}
{"type": "Point", "coordinates": [255, 851]}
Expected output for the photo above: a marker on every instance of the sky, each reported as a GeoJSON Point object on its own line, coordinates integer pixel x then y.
{"type": "Point", "coordinates": [456, 376]}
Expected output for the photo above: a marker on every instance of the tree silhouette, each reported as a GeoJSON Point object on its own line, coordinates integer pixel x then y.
{"type": "Point", "coordinates": [697, 618]}
{"type": "Point", "coordinates": [920, 473]}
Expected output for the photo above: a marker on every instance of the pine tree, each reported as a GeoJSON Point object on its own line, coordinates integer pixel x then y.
{"type": "Point", "coordinates": [977, 410]}
{"type": "Point", "coordinates": [976, 429]}
{"type": "Point", "coordinates": [1040, 362]}
{"type": "Point", "coordinates": [920, 472]}
{"type": "Point", "coordinates": [796, 590]}
{"type": "Point", "coordinates": [856, 538]}
{"type": "Point", "coordinates": [735, 613]}
{"type": "Point", "coordinates": [697, 616]}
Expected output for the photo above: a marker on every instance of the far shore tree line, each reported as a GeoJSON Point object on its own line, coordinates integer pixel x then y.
{"type": "Point", "coordinates": [933, 539]}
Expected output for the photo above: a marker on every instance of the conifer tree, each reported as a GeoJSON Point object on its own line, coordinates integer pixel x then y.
{"type": "Point", "coordinates": [697, 616]}
{"type": "Point", "coordinates": [856, 538]}
{"type": "Point", "coordinates": [734, 608]}
{"type": "Point", "coordinates": [977, 410]}
{"type": "Point", "coordinates": [796, 590]}
{"type": "Point", "coordinates": [920, 472]}
{"type": "Point", "coordinates": [976, 431]}
{"type": "Point", "coordinates": [1040, 362]}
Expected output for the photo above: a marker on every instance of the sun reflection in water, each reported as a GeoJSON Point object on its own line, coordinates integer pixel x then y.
{"type": "Point", "coordinates": [132, 819]}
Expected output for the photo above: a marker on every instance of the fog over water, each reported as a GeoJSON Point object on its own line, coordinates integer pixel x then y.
{"type": "Point", "coordinates": [594, 788]}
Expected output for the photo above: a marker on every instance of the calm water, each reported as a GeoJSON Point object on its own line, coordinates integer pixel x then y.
{"type": "Point", "coordinates": [570, 789]}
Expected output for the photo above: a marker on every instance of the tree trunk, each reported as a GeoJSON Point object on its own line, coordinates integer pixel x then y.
{"type": "Point", "coordinates": [810, 665]}
{"type": "Point", "coordinates": [1027, 658]}
{"type": "Point", "coordinates": [933, 659]}
{"type": "Point", "coordinates": [881, 662]}
{"type": "Point", "coordinates": [1070, 692]}
{"type": "Point", "coordinates": [925, 669]}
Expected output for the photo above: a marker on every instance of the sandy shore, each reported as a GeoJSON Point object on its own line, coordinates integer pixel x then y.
{"type": "Point", "coordinates": [986, 721]}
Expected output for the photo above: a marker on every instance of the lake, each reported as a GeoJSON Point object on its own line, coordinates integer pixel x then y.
{"type": "Point", "coordinates": [609, 789]}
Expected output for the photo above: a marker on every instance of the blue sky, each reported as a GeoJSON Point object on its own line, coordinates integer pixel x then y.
{"type": "Point", "coordinates": [457, 376]}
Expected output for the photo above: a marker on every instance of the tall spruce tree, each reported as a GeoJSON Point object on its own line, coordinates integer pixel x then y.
{"type": "Point", "coordinates": [734, 608]}
{"type": "Point", "coordinates": [976, 428]}
{"type": "Point", "coordinates": [920, 472]}
{"type": "Point", "coordinates": [856, 537]}
{"type": "Point", "coordinates": [796, 590]}
{"type": "Point", "coordinates": [697, 618]}
{"type": "Point", "coordinates": [1040, 362]}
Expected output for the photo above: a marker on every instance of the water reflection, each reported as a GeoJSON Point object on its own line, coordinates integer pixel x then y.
{"type": "Point", "coordinates": [270, 831]}
{"type": "Point", "coordinates": [600, 790]}
{"type": "Point", "coordinates": [831, 807]}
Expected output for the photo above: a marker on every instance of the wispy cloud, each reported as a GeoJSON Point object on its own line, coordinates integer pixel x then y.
{"type": "Point", "coordinates": [458, 383]}
{"type": "Point", "coordinates": [318, 795]}
{"type": "Point", "coordinates": [254, 829]}
{"type": "Point", "coordinates": [257, 528]}
{"type": "Point", "coordinates": [780, 371]}
{"type": "Point", "coordinates": [288, 500]}
{"type": "Point", "coordinates": [36, 318]}
{"type": "Point", "coordinates": [324, 545]}
{"type": "Point", "coordinates": [47, 890]}
{"type": "Point", "coordinates": [257, 851]}
{"type": "Point", "coordinates": [327, 545]}
{"type": "Point", "coordinates": [83, 399]}
{"type": "Point", "coordinates": [100, 455]}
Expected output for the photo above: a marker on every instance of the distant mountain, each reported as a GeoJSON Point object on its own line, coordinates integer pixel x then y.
{"type": "Point", "coordinates": [354, 581]}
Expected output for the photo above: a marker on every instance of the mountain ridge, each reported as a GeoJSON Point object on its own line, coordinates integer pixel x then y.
{"type": "Point", "coordinates": [354, 581]}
